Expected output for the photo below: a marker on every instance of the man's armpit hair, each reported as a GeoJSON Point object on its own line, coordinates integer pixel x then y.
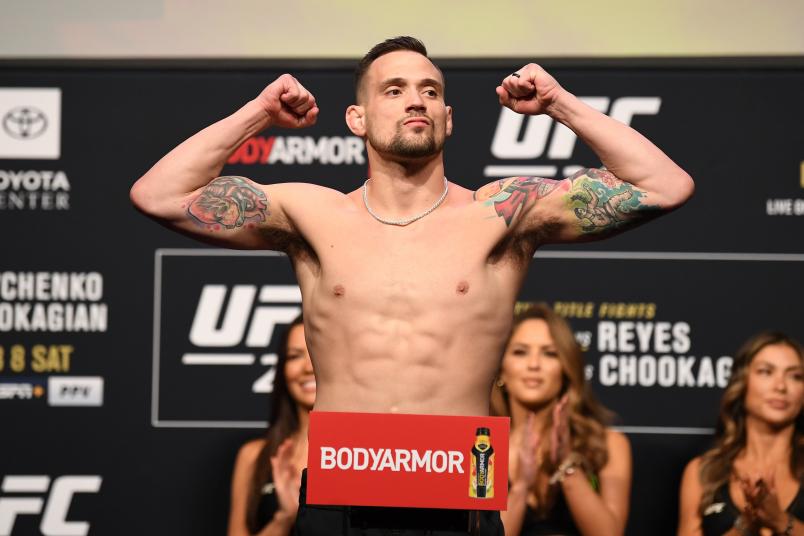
{"type": "Point", "coordinates": [602, 203]}
{"type": "Point", "coordinates": [229, 202]}
{"type": "Point", "coordinates": [292, 243]}
{"type": "Point", "coordinates": [521, 246]}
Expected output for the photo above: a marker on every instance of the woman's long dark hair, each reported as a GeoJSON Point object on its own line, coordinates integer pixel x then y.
{"type": "Point", "coordinates": [282, 423]}
{"type": "Point", "coordinates": [730, 435]}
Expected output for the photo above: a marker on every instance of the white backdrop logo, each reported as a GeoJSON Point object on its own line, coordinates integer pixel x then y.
{"type": "Point", "coordinates": [30, 121]}
{"type": "Point", "coordinates": [523, 137]}
{"type": "Point", "coordinates": [28, 495]}
{"type": "Point", "coordinates": [217, 327]}
{"type": "Point", "coordinates": [24, 122]}
{"type": "Point", "coordinates": [217, 319]}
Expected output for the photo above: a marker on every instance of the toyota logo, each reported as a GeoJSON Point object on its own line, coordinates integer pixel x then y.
{"type": "Point", "coordinates": [24, 122]}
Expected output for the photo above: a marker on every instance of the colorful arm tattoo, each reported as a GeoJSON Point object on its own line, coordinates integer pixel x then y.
{"type": "Point", "coordinates": [509, 196]}
{"type": "Point", "coordinates": [603, 203]}
{"type": "Point", "coordinates": [229, 202]}
{"type": "Point", "coordinates": [600, 201]}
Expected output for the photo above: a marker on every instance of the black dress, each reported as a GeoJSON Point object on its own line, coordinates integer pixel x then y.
{"type": "Point", "coordinates": [719, 517]}
{"type": "Point", "coordinates": [268, 505]}
{"type": "Point", "coordinates": [558, 521]}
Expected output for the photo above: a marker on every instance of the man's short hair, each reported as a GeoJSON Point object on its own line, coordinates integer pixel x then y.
{"type": "Point", "coordinates": [393, 44]}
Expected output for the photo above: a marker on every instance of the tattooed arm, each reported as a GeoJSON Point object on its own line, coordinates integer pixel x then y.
{"type": "Point", "coordinates": [183, 190]}
{"type": "Point", "coordinates": [638, 182]}
{"type": "Point", "coordinates": [591, 204]}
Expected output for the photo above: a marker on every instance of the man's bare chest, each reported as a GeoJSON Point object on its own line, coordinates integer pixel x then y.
{"type": "Point", "coordinates": [446, 258]}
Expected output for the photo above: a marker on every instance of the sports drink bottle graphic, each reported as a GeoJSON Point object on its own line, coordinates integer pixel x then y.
{"type": "Point", "coordinates": [481, 474]}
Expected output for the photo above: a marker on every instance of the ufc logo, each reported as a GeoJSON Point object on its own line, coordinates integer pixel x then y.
{"type": "Point", "coordinates": [54, 510]}
{"type": "Point", "coordinates": [234, 320]}
{"type": "Point", "coordinates": [521, 137]}
{"type": "Point", "coordinates": [245, 319]}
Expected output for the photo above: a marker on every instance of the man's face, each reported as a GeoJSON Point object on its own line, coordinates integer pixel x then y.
{"type": "Point", "coordinates": [403, 99]}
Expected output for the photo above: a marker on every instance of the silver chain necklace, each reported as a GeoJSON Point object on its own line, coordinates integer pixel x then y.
{"type": "Point", "coordinates": [408, 220]}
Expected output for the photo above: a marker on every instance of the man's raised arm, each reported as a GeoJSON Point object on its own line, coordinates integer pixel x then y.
{"type": "Point", "coordinates": [638, 180]}
{"type": "Point", "coordinates": [183, 190]}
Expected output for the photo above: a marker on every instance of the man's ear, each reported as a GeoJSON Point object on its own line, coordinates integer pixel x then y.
{"type": "Point", "coordinates": [355, 120]}
{"type": "Point", "coordinates": [449, 120]}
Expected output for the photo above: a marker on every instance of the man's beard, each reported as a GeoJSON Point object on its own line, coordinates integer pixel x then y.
{"type": "Point", "coordinates": [408, 147]}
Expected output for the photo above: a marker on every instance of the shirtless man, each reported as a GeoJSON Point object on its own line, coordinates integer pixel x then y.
{"type": "Point", "coordinates": [409, 317]}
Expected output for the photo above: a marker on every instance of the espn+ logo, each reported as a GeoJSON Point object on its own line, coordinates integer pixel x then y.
{"type": "Point", "coordinates": [222, 328]}
{"type": "Point", "coordinates": [525, 137]}
{"type": "Point", "coordinates": [28, 495]}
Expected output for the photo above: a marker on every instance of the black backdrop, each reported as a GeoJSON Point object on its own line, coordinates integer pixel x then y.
{"type": "Point", "coordinates": [135, 359]}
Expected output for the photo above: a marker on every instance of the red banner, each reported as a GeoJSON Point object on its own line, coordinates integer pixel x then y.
{"type": "Point", "coordinates": [417, 461]}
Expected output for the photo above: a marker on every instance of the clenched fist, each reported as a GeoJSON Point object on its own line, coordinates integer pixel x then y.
{"type": "Point", "coordinates": [530, 90]}
{"type": "Point", "coordinates": [288, 103]}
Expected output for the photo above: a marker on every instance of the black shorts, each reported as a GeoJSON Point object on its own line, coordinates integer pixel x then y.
{"type": "Point", "coordinates": [320, 520]}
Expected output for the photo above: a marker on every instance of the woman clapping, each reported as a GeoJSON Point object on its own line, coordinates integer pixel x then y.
{"type": "Point", "coordinates": [569, 473]}
{"type": "Point", "coordinates": [750, 481]}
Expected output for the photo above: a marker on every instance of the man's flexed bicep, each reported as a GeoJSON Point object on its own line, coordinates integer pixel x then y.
{"type": "Point", "coordinates": [228, 203]}
{"type": "Point", "coordinates": [590, 205]}
{"type": "Point", "coordinates": [184, 190]}
{"type": "Point", "coordinates": [639, 181]}
{"type": "Point", "coordinates": [238, 213]}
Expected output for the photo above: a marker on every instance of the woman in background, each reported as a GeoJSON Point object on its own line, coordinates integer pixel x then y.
{"type": "Point", "coordinates": [749, 482]}
{"type": "Point", "coordinates": [267, 472]}
{"type": "Point", "coordinates": [569, 473]}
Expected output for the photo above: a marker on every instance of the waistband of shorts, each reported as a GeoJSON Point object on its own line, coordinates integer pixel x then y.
{"type": "Point", "coordinates": [388, 516]}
